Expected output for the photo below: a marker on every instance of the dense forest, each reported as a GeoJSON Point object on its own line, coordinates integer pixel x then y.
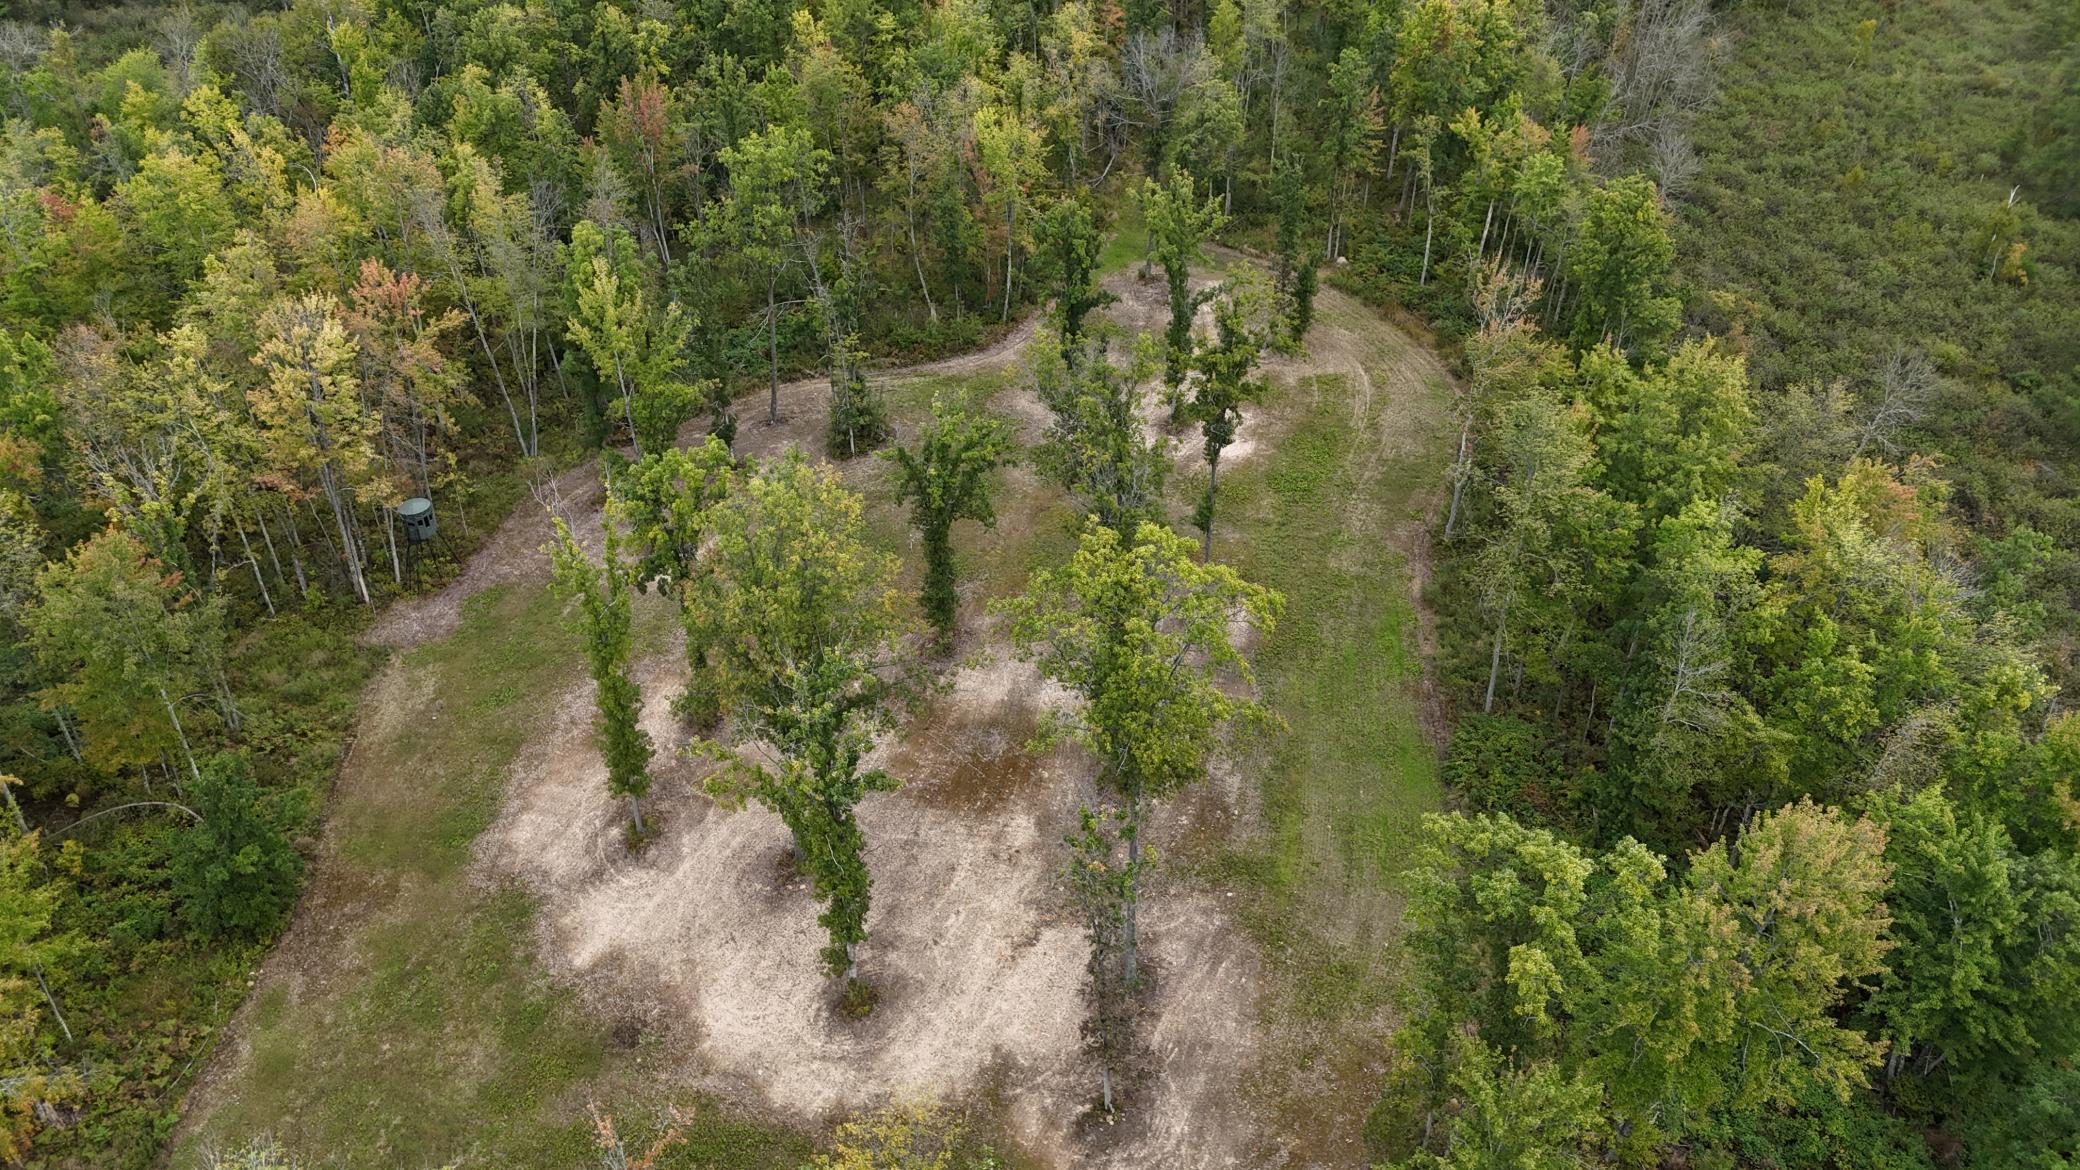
{"type": "Point", "coordinates": [1756, 577]}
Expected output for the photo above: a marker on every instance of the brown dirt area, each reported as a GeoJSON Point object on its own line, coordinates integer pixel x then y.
{"type": "Point", "coordinates": [978, 965]}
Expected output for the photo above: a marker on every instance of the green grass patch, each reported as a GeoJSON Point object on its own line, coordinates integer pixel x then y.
{"type": "Point", "coordinates": [1128, 243]}
{"type": "Point", "coordinates": [1352, 774]}
{"type": "Point", "coordinates": [424, 1031]}
{"type": "Point", "coordinates": [1345, 786]}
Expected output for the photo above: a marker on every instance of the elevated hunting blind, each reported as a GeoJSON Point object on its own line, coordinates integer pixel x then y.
{"type": "Point", "coordinates": [417, 514]}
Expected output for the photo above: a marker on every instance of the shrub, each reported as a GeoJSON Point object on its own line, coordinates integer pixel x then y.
{"type": "Point", "coordinates": [1501, 763]}
{"type": "Point", "coordinates": [235, 872]}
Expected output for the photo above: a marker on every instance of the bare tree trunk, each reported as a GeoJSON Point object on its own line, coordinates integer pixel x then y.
{"type": "Point", "coordinates": [179, 732]}
{"type": "Point", "coordinates": [1451, 517]}
{"type": "Point", "coordinates": [1429, 228]}
{"type": "Point", "coordinates": [1494, 670]}
{"type": "Point", "coordinates": [71, 741]}
{"type": "Point", "coordinates": [303, 584]}
{"type": "Point", "coordinates": [1130, 953]}
{"type": "Point", "coordinates": [773, 349]}
{"type": "Point", "coordinates": [227, 705]}
{"type": "Point", "coordinates": [267, 538]}
{"type": "Point", "coordinates": [1010, 249]}
{"type": "Point", "coordinates": [469, 307]}
{"type": "Point", "coordinates": [259, 578]}
{"type": "Point", "coordinates": [628, 405]}
{"type": "Point", "coordinates": [916, 252]}
{"type": "Point", "coordinates": [48, 998]}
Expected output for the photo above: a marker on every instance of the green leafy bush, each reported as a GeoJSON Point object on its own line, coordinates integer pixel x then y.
{"type": "Point", "coordinates": [235, 872]}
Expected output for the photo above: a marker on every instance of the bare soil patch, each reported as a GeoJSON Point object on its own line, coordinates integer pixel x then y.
{"type": "Point", "coordinates": [977, 960]}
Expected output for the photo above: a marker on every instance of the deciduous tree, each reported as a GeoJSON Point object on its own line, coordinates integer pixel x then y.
{"type": "Point", "coordinates": [946, 478]}
{"type": "Point", "coordinates": [603, 622]}
{"type": "Point", "coordinates": [126, 643]}
{"type": "Point", "coordinates": [808, 656]}
{"type": "Point", "coordinates": [235, 872]}
{"type": "Point", "coordinates": [1223, 388]}
{"type": "Point", "coordinates": [312, 416]}
{"type": "Point", "coordinates": [1142, 636]}
{"type": "Point", "coordinates": [1096, 447]}
{"type": "Point", "coordinates": [31, 1083]}
{"type": "Point", "coordinates": [662, 500]}
{"type": "Point", "coordinates": [1178, 222]}
{"type": "Point", "coordinates": [1067, 245]}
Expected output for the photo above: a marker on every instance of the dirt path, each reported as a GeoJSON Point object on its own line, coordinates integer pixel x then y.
{"type": "Point", "coordinates": [514, 552]}
{"type": "Point", "coordinates": [708, 939]}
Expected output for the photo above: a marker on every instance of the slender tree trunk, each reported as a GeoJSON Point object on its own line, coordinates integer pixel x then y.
{"type": "Point", "coordinates": [1494, 670]}
{"type": "Point", "coordinates": [469, 307]}
{"type": "Point", "coordinates": [917, 252]}
{"type": "Point", "coordinates": [267, 538]}
{"type": "Point", "coordinates": [51, 1000]}
{"type": "Point", "coordinates": [350, 548]}
{"type": "Point", "coordinates": [1451, 517]}
{"type": "Point", "coordinates": [1213, 475]}
{"type": "Point", "coordinates": [1010, 249]}
{"type": "Point", "coordinates": [21, 823]}
{"type": "Point", "coordinates": [303, 584]}
{"type": "Point", "coordinates": [635, 813]}
{"type": "Point", "coordinates": [773, 350]}
{"type": "Point", "coordinates": [1130, 953]}
{"type": "Point", "coordinates": [1429, 229]}
{"type": "Point", "coordinates": [628, 405]}
{"type": "Point", "coordinates": [1277, 107]}
{"type": "Point", "coordinates": [664, 247]}
{"type": "Point", "coordinates": [1480, 254]}
{"type": "Point", "coordinates": [1335, 191]}
{"type": "Point", "coordinates": [226, 705]}
{"type": "Point", "coordinates": [179, 732]}
{"type": "Point", "coordinates": [71, 741]}
{"type": "Point", "coordinates": [259, 578]}
{"type": "Point", "coordinates": [1105, 1080]}
{"type": "Point", "coordinates": [563, 385]}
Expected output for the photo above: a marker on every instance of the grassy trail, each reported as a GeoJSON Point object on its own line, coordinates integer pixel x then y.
{"type": "Point", "coordinates": [1332, 519]}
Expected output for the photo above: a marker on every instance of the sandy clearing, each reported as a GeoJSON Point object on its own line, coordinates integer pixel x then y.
{"type": "Point", "coordinates": [978, 963]}
{"type": "Point", "coordinates": [515, 552]}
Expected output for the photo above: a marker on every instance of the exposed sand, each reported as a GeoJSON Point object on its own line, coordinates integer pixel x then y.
{"type": "Point", "coordinates": [978, 964]}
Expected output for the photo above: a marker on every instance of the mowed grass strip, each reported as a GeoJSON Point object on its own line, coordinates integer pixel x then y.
{"type": "Point", "coordinates": [1346, 785]}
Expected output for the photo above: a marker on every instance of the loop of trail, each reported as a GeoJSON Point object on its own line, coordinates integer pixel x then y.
{"type": "Point", "coordinates": [708, 943]}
